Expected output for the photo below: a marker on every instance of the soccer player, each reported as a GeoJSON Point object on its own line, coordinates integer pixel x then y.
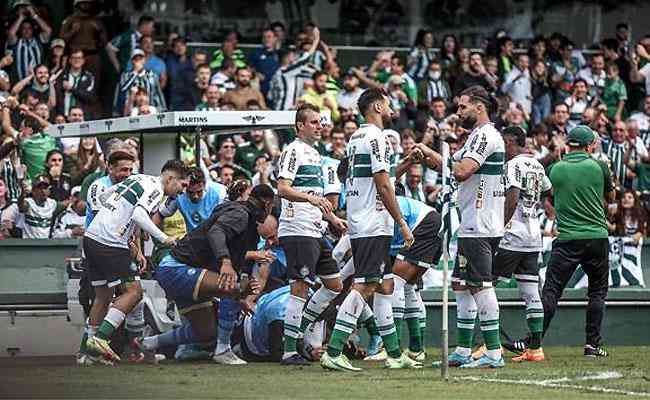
{"type": "Point", "coordinates": [204, 265]}
{"type": "Point", "coordinates": [106, 246]}
{"type": "Point", "coordinates": [478, 169]}
{"type": "Point", "coordinates": [120, 167]}
{"type": "Point", "coordinates": [525, 181]}
{"type": "Point", "coordinates": [410, 265]}
{"type": "Point", "coordinates": [372, 211]}
{"type": "Point", "coordinates": [301, 187]}
{"type": "Point", "coordinates": [196, 204]}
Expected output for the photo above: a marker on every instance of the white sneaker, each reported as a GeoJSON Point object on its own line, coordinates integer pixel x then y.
{"type": "Point", "coordinates": [228, 358]}
{"type": "Point", "coordinates": [86, 360]}
{"type": "Point", "coordinates": [381, 356]}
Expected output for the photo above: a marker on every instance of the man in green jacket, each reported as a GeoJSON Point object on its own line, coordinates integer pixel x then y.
{"type": "Point", "coordinates": [581, 185]}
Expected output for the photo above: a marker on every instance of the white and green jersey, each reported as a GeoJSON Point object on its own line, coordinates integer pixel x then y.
{"type": "Point", "coordinates": [331, 182]}
{"type": "Point", "coordinates": [369, 152]}
{"type": "Point", "coordinates": [114, 224]}
{"type": "Point", "coordinates": [523, 232]}
{"type": "Point", "coordinates": [481, 196]}
{"type": "Point", "coordinates": [38, 219]}
{"type": "Point", "coordinates": [300, 163]}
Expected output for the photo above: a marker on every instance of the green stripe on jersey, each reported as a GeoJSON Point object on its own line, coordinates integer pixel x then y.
{"type": "Point", "coordinates": [37, 222]}
{"type": "Point", "coordinates": [362, 159]}
{"type": "Point", "coordinates": [366, 172]}
{"type": "Point", "coordinates": [491, 169]}
{"type": "Point", "coordinates": [496, 157]}
{"type": "Point", "coordinates": [308, 182]}
{"type": "Point", "coordinates": [309, 170]}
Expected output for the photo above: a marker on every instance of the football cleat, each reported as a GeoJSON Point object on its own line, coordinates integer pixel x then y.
{"type": "Point", "coordinates": [485, 362]}
{"type": "Point", "coordinates": [228, 358]}
{"type": "Point", "coordinates": [340, 363]}
{"type": "Point", "coordinates": [454, 360]}
{"type": "Point", "coordinates": [595, 351]}
{"type": "Point", "coordinates": [530, 355]}
{"type": "Point", "coordinates": [294, 359]}
{"type": "Point", "coordinates": [102, 347]}
{"type": "Point", "coordinates": [418, 356]}
{"type": "Point", "coordinates": [86, 360]}
{"type": "Point", "coordinates": [381, 356]}
{"type": "Point", "coordinates": [403, 362]}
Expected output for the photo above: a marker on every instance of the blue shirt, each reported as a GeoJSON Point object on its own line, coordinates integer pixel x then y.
{"type": "Point", "coordinates": [270, 307]}
{"type": "Point", "coordinates": [267, 62]}
{"type": "Point", "coordinates": [413, 212]}
{"type": "Point", "coordinates": [157, 65]}
{"type": "Point", "coordinates": [195, 213]}
{"type": "Point", "coordinates": [94, 191]}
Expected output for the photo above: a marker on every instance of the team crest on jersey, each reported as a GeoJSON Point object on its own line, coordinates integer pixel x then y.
{"type": "Point", "coordinates": [196, 217]}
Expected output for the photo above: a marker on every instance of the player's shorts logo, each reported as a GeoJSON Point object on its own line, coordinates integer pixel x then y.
{"type": "Point", "coordinates": [191, 271]}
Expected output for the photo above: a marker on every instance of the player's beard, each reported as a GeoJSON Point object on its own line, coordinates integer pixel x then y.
{"type": "Point", "coordinates": [468, 122]}
{"type": "Point", "coordinates": [387, 120]}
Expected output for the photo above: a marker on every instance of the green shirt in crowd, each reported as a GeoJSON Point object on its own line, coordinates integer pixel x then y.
{"type": "Point", "coordinates": [579, 187]}
{"type": "Point", "coordinates": [613, 93]}
{"type": "Point", "coordinates": [33, 152]}
{"type": "Point", "coordinates": [246, 155]}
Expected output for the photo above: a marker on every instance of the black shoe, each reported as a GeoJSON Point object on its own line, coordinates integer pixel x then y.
{"type": "Point", "coordinates": [595, 351]}
{"type": "Point", "coordinates": [295, 359]}
{"type": "Point", "coordinates": [518, 346]}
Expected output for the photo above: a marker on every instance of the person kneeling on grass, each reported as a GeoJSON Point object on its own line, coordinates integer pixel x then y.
{"type": "Point", "coordinates": [205, 264]}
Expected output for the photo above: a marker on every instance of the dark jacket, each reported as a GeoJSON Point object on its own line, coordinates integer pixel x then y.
{"type": "Point", "coordinates": [230, 231]}
{"type": "Point", "coordinates": [84, 92]}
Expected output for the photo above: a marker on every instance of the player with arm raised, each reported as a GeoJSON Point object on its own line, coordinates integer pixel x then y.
{"type": "Point", "coordinates": [106, 246]}
{"type": "Point", "coordinates": [372, 211]}
{"type": "Point", "coordinates": [478, 168]}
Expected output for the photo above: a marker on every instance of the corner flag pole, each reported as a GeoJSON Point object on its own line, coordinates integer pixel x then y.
{"type": "Point", "coordinates": [444, 331]}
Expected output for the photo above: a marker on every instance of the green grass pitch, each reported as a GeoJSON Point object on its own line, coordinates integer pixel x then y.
{"type": "Point", "coordinates": [625, 374]}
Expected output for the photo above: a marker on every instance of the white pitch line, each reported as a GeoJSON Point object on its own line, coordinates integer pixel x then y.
{"type": "Point", "coordinates": [552, 383]}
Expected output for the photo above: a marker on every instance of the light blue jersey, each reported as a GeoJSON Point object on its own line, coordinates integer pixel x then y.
{"type": "Point", "coordinates": [413, 212]}
{"type": "Point", "coordinates": [195, 213]}
{"type": "Point", "coordinates": [270, 307]}
{"type": "Point", "coordinates": [93, 202]}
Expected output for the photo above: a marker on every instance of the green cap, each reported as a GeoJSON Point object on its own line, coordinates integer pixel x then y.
{"type": "Point", "coordinates": [581, 136]}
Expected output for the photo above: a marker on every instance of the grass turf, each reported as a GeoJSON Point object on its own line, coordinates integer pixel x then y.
{"type": "Point", "coordinates": [59, 378]}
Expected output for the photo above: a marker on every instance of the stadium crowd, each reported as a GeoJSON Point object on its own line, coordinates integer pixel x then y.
{"type": "Point", "coordinates": [46, 183]}
{"type": "Point", "coordinates": [546, 90]}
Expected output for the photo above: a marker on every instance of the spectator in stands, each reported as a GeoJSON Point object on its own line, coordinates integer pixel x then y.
{"type": "Point", "coordinates": [617, 149]}
{"type": "Point", "coordinates": [212, 99]}
{"type": "Point", "coordinates": [421, 55]}
{"type": "Point", "coordinates": [623, 38]}
{"type": "Point", "coordinates": [224, 78]}
{"type": "Point", "coordinates": [152, 61]}
{"type": "Point", "coordinates": [57, 59]}
{"type": "Point", "coordinates": [39, 209]}
{"type": "Point", "coordinates": [559, 120]}
{"type": "Point", "coordinates": [540, 93]}
{"type": "Point", "coordinates": [578, 102]}
{"type": "Point", "coordinates": [181, 77]}
{"type": "Point", "coordinates": [449, 51]}
{"type": "Point", "coordinates": [595, 75]}
{"type": "Point", "coordinates": [199, 86]}
{"type": "Point", "coordinates": [475, 75]}
{"type": "Point", "coordinates": [27, 48]}
{"type": "Point", "coordinates": [75, 86]}
{"type": "Point", "coordinates": [505, 59]}
{"type": "Point", "coordinates": [60, 181]}
{"type": "Point", "coordinates": [83, 30]}
{"type": "Point", "coordinates": [348, 97]}
{"type": "Point", "coordinates": [138, 103]}
{"type": "Point", "coordinates": [413, 187]}
{"type": "Point", "coordinates": [38, 85]}
{"type": "Point", "coordinates": [120, 49]}
{"type": "Point", "coordinates": [517, 83]}
{"type": "Point", "coordinates": [244, 92]}
{"type": "Point", "coordinates": [70, 145]}
{"type": "Point", "coordinates": [338, 144]}
{"type": "Point", "coordinates": [320, 97]}
{"type": "Point", "coordinates": [266, 59]}
{"type": "Point", "coordinates": [141, 78]}
{"type": "Point", "coordinates": [280, 32]}
{"type": "Point", "coordinates": [642, 119]}
{"type": "Point", "coordinates": [229, 50]}
{"type": "Point", "coordinates": [226, 175]}
{"type": "Point", "coordinates": [564, 71]}
{"type": "Point", "coordinates": [5, 229]}
{"type": "Point", "coordinates": [614, 93]}
{"type": "Point", "coordinates": [537, 50]}
{"type": "Point", "coordinates": [226, 157]}
{"type": "Point", "coordinates": [70, 223]}
{"type": "Point", "coordinates": [5, 80]}
{"type": "Point", "coordinates": [638, 150]}
{"type": "Point", "coordinates": [246, 154]}
{"type": "Point", "coordinates": [434, 85]}
{"type": "Point", "coordinates": [87, 160]}
{"type": "Point", "coordinates": [630, 219]}
{"type": "Point", "coordinates": [349, 127]}
{"type": "Point", "coordinates": [610, 51]}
